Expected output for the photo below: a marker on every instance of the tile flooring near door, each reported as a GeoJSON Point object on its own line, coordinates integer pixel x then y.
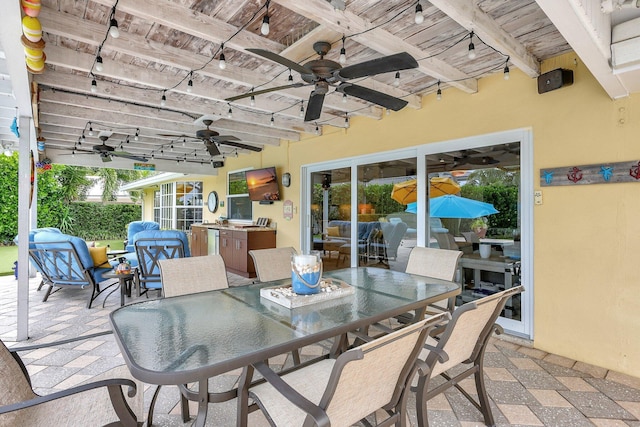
{"type": "Point", "coordinates": [527, 387]}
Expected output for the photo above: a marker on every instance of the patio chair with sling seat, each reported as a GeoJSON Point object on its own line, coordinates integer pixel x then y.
{"type": "Point", "coordinates": [183, 276]}
{"type": "Point", "coordinates": [462, 344]}
{"type": "Point", "coordinates": [436, 263]}
{"type": "Point", "coordinates": [272, 264]}
{"type": "Point", "coordinates": [343, 391]}
{"type": "Point", "coordinates": [66, 261]}
{"type": "Point", "coordinates": [99, 402]}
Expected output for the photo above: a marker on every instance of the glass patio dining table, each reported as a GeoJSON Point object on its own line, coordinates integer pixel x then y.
{"type": "Point", "coordinates": [194, 337]}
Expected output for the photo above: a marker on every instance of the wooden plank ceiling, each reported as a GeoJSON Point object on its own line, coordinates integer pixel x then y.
{"type": "Point", "coordinates": [165, 43]}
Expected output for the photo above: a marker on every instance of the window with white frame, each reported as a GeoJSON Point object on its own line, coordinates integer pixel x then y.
{"type": "Point", "coordinates": [156, 206]}
{"type": "Point", "coordinates": [179, 205]}
{"type": "Point", "coordinates": [239, 207]}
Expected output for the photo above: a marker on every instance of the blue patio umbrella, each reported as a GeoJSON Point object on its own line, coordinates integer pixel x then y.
{"type": "Point", "coordinates": [450, 206]}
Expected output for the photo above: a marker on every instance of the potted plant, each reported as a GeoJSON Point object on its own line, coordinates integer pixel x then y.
{"type": "Point", "coordinates": [479, 226]}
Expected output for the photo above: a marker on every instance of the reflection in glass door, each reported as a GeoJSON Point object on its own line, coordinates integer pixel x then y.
{"type": "Point", "coordinates": [488, 234]}
{"type": "Point", "coordinates": [330, 216]}
{"type": "Point", "coordinates": [386, 231]}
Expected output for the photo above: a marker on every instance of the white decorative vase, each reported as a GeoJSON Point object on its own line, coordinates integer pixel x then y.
{"type": "Point", "coordinates": [485, 250]}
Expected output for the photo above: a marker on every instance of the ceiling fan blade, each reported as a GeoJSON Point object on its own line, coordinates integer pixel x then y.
{"type": "Point", "coordinates": [173, 135]}
{"type": "Point", "coordinates": [242, 146]}
{"type": "Point", "coordinates": [213, 149]}
{"type": "Point", "coordinates": [260, 92]}
{"type": "Point", "coordinates": [314, 107]}
{"type": "Point", "coordinates": [130, 156]}
{"type": "Point", "coordinates": [280, 60]}
{"type": "Point", "coordinates": [379, 98]}
{"type": "Point", "coordinates": [222, 138]}
{"type": "Point", "coordinates": [386, 64]}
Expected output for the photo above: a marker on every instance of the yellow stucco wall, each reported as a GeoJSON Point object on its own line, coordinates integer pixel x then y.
{"type": "Point", "coordinates": [586, 292]}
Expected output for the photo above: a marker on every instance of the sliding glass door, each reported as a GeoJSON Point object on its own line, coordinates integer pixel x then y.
{"type": "Point", "coordinates": [473, 195]}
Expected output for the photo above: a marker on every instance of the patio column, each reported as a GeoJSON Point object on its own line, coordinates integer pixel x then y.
{"type": "Point", "coordinates": [24, 196]}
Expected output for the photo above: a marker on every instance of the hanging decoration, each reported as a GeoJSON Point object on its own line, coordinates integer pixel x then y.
{"type": "Point", "coordinates": [43, 165]}
{"type": "Point", "coordinates": [32, 36]}
{"type": "Point", "coordinates": [604, 173]}
{"type": "Point", "coordinates": [14, 127]}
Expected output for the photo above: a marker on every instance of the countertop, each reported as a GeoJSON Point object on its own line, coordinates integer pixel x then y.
{"type": "Point", "coordinates": [239, 227]}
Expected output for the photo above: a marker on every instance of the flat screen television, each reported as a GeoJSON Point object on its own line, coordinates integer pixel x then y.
{"type": "Point", "coordinates": [263, 184]}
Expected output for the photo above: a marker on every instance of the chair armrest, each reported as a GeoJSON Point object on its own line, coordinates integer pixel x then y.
{"type": "Point", "coordinates": [442, 355]}
{"type": "Point", "coordinates": [319, 415]}
{"type": "Point", "coordinates": [110, 383]}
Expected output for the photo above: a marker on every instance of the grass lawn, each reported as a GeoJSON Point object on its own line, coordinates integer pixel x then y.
{"type": "Point", "coordinates": [9, 254]}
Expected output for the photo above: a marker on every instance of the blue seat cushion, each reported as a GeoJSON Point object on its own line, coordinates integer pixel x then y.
{"type": "Point", "coordinates": [134, 228]}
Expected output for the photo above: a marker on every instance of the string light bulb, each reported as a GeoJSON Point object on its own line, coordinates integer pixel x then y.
{"type": "Point", "coordinates": [290, 78]}
{"type": "Point", "coordinates": [90, 129]}
{"type": "Point", "coordinates": [113, 28]}
{"type": "Point", "coordinates": [171, 148]}
{"type": "Point", "coordinates": [94, 86]}
{"type": "Point", "coordinates": [99, 66]}
{"type": "Point", "coordinates": [272, 122]}
{"type": "Point", "coordinates": [396, 80]}
{"type": "Point", "coordinates": [346, 120]}
{"type": "Point", "coordinates": [439, 92]}
{"type": "Point", "coordinates": [472, 48]}
{"type": "Point", "coordinates": [82, 139]}
{"type": "Point", "coordinates": [317, 131]}
{"type": "Point", "coordinates": [264, 28]}
{"type": "Point", "coordinates": [184, 142]}
{"type": "Point", "coordinates": [137, 135]}
{"type": "Point", "coordinates": [419, 17]}
{"type": "Point", "coordinates": [163, 100]}
{"type": "Point", "coordinates": [301, 108]}
{"type": "Point", "coordinates": [343, 53]}
{"type": "Point", "coordinates": [222, 63]}
{"type": "Point", "coordinates": [190, 82]}
{"type": "Point", "coordinates": [252, 101]}
{"type": "Point", "coordinates": [344, 98]}
{"type": "Point", "coordinates": [230, 113]}
{"type": "Point", "coordinates": [506, 69]}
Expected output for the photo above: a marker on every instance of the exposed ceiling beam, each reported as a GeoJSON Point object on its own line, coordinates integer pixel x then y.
{"type": "Point", "coordinates": [569, 18]}
{"type": "Point", "coordinates": [245, 131]}
{"type": "Point", "coordinates": [190, 21]}
{"type": "Point", "coordinates": [115, 92]}
{"type": "Point", "coordinates": [109, 119]}
{"type": "Point", "coordinates": [65, 25]}
{"type": "Point", "coordinates": [470, 16]}
{"type": "Point", "coordinates": [346, 22]}
{"type": "Point", "coordinates": [158, 81]}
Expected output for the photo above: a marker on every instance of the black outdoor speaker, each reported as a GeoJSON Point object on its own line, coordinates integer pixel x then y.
{"type": "Point", "coordinates": [554, 80]}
